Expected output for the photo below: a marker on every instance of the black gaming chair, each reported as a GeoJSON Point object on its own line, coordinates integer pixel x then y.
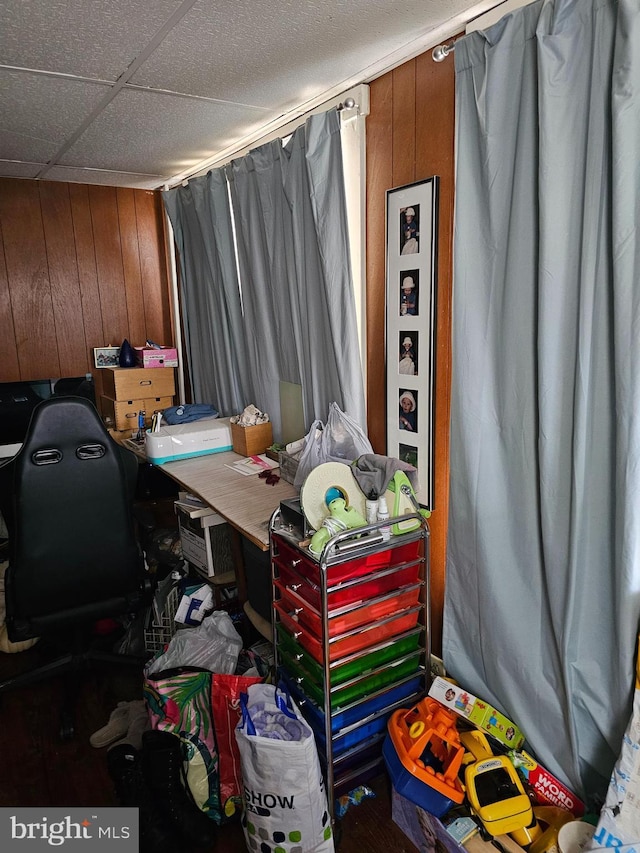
{"type": "Point", "coordinates": [73, 554]}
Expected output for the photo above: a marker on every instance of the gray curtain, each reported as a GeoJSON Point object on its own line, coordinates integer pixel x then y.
{"type": "Point", "coordinates": [292, 237]}
{"type": "Point", "coordinates": [543, 567]}
{"type": "Point", "coordinates": [211, 308]}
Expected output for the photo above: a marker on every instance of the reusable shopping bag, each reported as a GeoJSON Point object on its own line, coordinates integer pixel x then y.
{"type": "Point", "coordinates": [285, 801]}
{"type": "Point", "coordinates": [619, 822]}
{"type": "Point", "coordinates": [225, 703]}
{"type": "Point", "coordinates": [179, 701]}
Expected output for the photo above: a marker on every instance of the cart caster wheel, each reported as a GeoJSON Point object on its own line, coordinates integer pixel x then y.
{"type": "Point", "coordinates": [67, 729]}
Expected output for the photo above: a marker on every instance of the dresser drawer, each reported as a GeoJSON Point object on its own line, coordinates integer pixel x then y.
{"type": "Point", "coordinates": [138, 383]}
{"type": "Point", "coordinates": [124, 413]}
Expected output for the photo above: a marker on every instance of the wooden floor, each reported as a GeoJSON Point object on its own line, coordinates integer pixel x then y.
{"type": "Point", "coordinates": [38, 769]}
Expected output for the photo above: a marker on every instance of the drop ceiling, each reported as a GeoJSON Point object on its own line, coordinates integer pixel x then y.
{"type": "Point", "coordinates": [138, 93]}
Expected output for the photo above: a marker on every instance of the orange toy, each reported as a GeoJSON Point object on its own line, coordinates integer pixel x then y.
{"type": "Point", "coordinates": [424, 755]}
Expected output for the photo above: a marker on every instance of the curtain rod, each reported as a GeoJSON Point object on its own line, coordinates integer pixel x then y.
{"type": "Point", "coordinates": [440, 53]}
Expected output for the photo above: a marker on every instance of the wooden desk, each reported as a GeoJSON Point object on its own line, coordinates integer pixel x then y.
{"type": "Point", "coordinates": [247, 503]}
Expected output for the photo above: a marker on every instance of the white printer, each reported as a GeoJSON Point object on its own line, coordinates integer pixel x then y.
{"type": "Point", "coordinates": [182, 441]}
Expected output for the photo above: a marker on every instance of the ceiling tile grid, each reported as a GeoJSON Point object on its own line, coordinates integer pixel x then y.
{"type": "Point", "coordinates": [142, 90]}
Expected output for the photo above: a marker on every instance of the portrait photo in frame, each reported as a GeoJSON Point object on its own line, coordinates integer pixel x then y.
{"type": "Point", "coordinates": [411, 277]}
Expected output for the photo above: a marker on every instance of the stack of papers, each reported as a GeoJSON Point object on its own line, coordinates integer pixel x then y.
{"type": "Point", "coordinates": [253, 465]}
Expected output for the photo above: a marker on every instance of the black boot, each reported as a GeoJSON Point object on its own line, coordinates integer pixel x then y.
{"type": "Point", "coordinates": [157, 834]}
{"type": "Point", "coordinates": [162, 767]}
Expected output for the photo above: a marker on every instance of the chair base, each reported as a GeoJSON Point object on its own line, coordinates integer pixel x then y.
{"type": "Point", "coordinates": [70, 666]}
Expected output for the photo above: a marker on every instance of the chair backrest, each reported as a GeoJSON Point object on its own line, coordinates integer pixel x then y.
{"type": "Point", "coordinates": [73, 554]}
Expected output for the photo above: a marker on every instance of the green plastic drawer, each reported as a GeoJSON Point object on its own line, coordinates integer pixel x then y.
{"type": "Point", "coordinates": [356, 689]}
{"type": "Point", "coordinates": [352, 667]}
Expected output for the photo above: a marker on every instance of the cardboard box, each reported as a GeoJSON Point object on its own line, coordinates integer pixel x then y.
{"type": "Point", "coordinates": [204, 536]}
{"type": "Point", "coordinates": [423, 829]}
{"type": "Point", "coordinates": [151, 357]}
{"type": "Point", "coordinates": [251, 440]}
{"type": "Point", "coordinates": [430, 835]}
{"type": "Point", "coordinates": [476, 711]}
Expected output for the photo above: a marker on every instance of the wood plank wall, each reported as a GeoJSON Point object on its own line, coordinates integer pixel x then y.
{"type": "Point", "coordinates": [80, 267]}
{"type": "Point", "coordinates": [410, 136]}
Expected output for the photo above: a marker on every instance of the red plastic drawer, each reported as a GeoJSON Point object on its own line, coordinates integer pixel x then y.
{"type": "Point", "coordinates": [290, 557]}
{"type": "Point", "coordinates": [351, 592]}
{"type": "Point", "coordinates": [359, 639]}
{"type": "Point", "coordinates": [350, 617]}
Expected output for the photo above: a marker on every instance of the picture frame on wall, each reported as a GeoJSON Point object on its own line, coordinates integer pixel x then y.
{"type": "Point", "coordinates": [411, 271]}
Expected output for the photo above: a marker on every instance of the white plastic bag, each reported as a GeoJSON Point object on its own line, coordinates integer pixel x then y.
{"type": "Point", "coordinates": [341, 440]}
{"type": "Point", "coordinates": [285, 802]}
{"type": "Point", "coordinates": [619, 823]}
{"type": "Point", "coordinates": [214, 645]}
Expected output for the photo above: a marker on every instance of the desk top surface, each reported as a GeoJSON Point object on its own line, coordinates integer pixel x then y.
{"type": "Point", "coordinates": [246, 502]}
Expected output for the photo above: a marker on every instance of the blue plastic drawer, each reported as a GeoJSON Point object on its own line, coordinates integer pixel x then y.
{"type": "Point", "coordinates": [353, 713]}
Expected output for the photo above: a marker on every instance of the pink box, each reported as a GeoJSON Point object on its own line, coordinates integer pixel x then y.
{"type": "Point", "coordinates": [150, 357]}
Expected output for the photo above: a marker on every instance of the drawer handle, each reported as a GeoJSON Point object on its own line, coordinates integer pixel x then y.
{"type": "Point", "coordinates": [131, 415]}
{"type": "Point", "coordinates": [299, 656]}
{"type": "Point", "coordinates": [300, 680]}
{"type": "Point", "coordinates": [297, 610]}
{"type": "Point", "coordinates": [294, 587]}
{"type": "Point", "coordinates": [297, 634]}
{"type": "Point", "coordinates": [295, 563]}
{"type": "Point", "coordinates": [145, 382]}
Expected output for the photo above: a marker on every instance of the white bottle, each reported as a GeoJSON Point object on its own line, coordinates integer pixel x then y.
{"type": "Point", "coordinates": [371, 510]}
{"type": "Point", "coordinates": [383, 515]}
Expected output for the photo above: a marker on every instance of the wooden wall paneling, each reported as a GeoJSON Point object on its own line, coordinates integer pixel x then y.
{"type": "Point", "coordinates": [404, 123]}
{"type": "Point", "coordinates": [87, 276]}
{"type": "Point", "coordinates": [9, 368]}
{"type": "Point", "coordinates": [410, 136]}
{"type": "Point", "coordinates": [86, 263]}
{"type": "Point", "coordinates": [435, 121]}
{"type": "Point", "coordinates": [131, 265]}
{"type": "Point", "coordinates": [28, 278]}
{"type": "Point", "coordinates": [155, 281]}
{"type": "Point", "coordinates": [379, 180]}
{"type": "Point", "coordinates": [108, 251]}
{"type": "Point", "coordinates": [63, 278]}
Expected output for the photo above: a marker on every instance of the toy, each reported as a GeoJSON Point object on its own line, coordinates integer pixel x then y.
{"type": "Point", "coordinates": [476, 711]}
{"type": "Point", "coordinates": [424, 755]}
{"type": "Point", "coordinates": [543, 785]}
{"type": "Point", "coordinates": [341, 517]}
{"type": "Point", "coordinates": [495, 792]}
{"type": "Point", "coordinates": [401, 488]}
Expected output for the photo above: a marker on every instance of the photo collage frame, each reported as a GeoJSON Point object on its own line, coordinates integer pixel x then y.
{"type": "Point", "coordinates": [410, 327]}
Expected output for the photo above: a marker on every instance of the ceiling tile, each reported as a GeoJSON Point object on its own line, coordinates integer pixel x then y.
{"type": "Point", "coordinates": [39, 113]}
{"type": "Point", "coordinates": [145, 132]}
{"type": "Point", "coordinates": [275, 55]}
{"type": "Point", "coordinates": [84, 37]}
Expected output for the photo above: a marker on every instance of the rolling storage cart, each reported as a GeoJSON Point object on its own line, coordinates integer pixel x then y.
{"type": "Point", "coordinates": [352, 639]}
